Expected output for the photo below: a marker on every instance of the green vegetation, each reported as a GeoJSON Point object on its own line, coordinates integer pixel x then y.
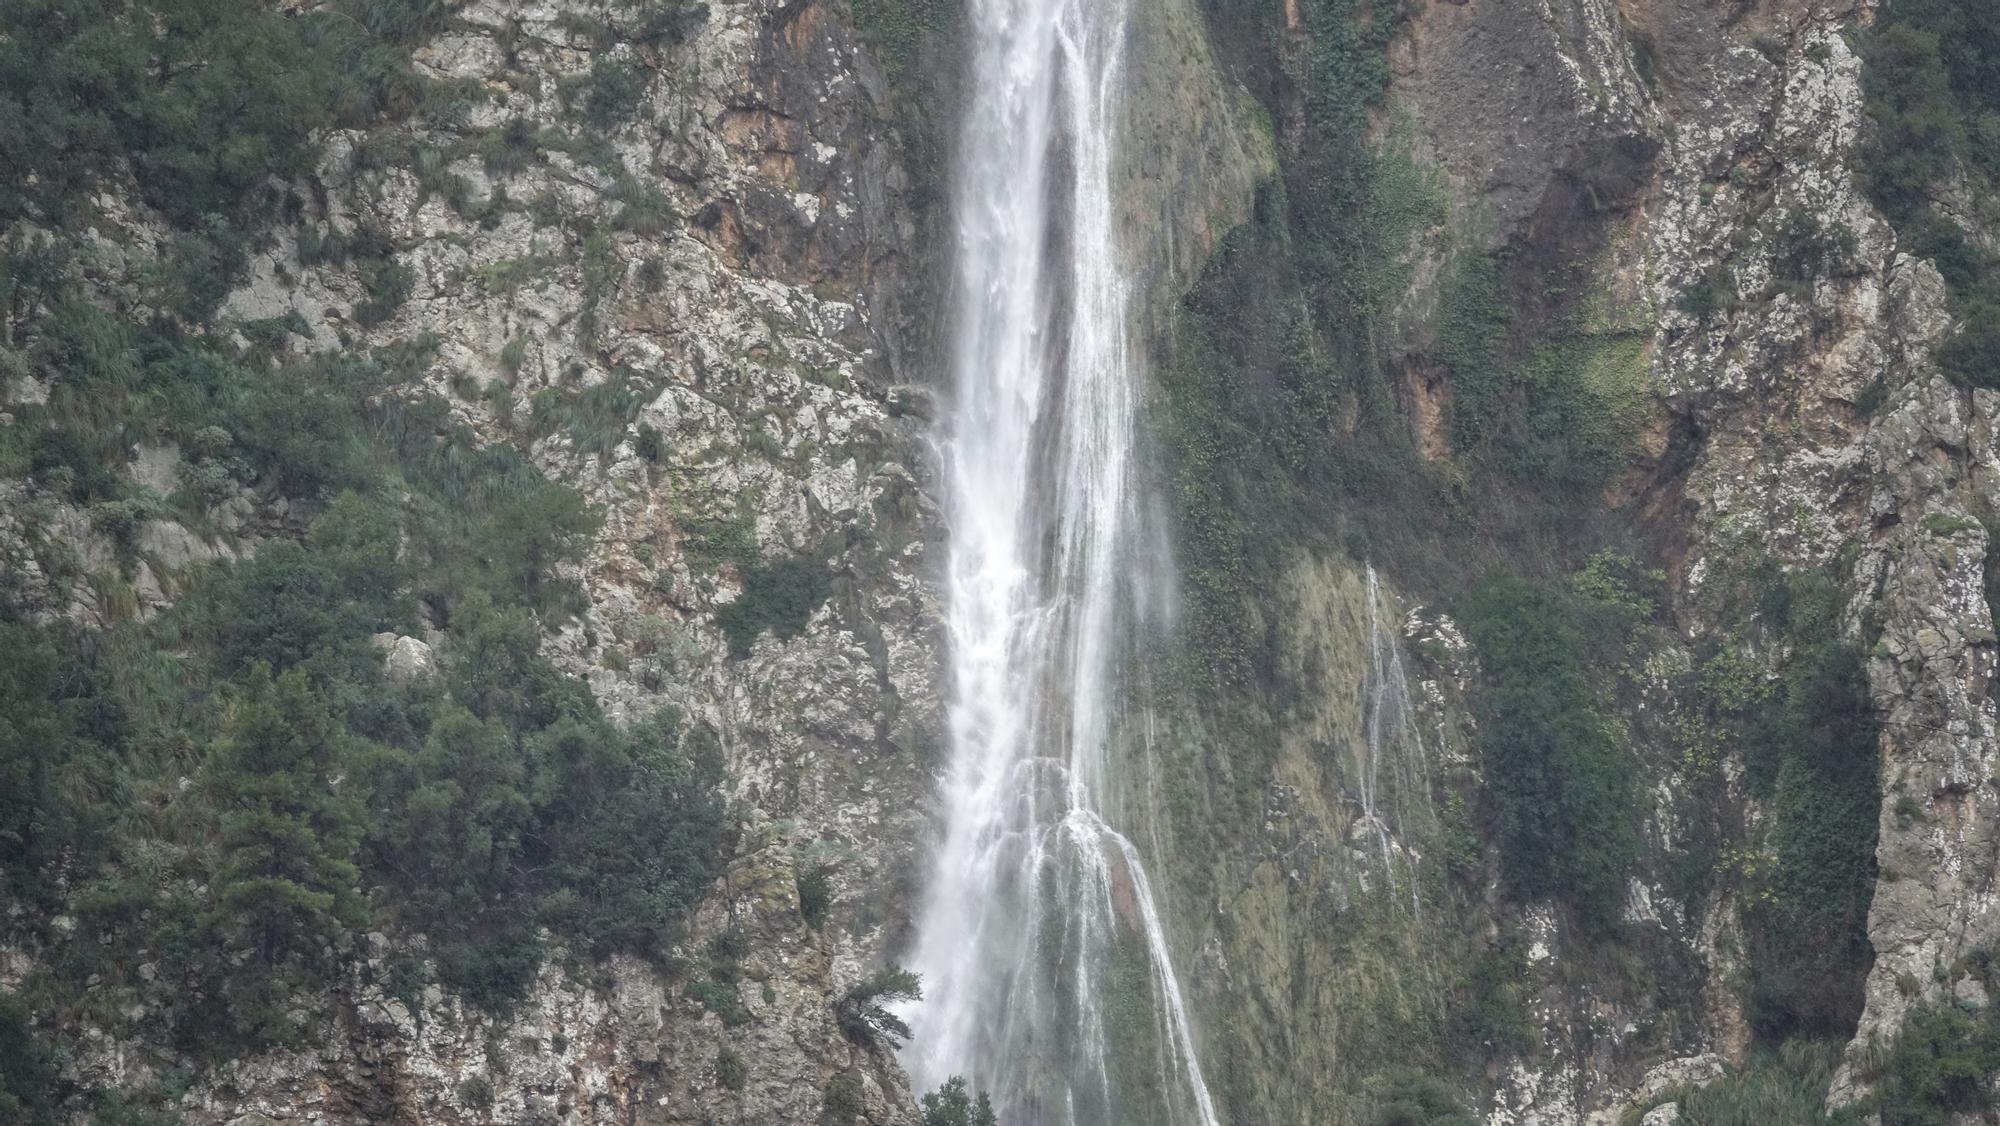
{"type": "Point", "coordinates": [1408, 1098]}
{"type": "Point", "coordinates": [1803, 722]}
{"type": "Point", "coordinates": [483, 804]}
{"type": "Point", "coordinates": [1472, 320]}
{"type": "Point", "coordinates": [1559, 779]}
{"type": "Point", "coordinates": [899, 30]}
{"type": "Point", "coordinates": [954, 1105]}
{"type": "Point", "coordinates": [477, 807]}
{"type": "Point", "coordinates": [778, 597]}
{"type": "Point", "coordinates": [1714, 293]}
{"type": "Point", "coordinates": [1494, 1012]}
{"type": "Point", "coordinates": [1933, 89]}
{"type": "Point", "coordinates": [606, 96]}
{"type": "Point", "coordinates": [730, 1070]}
{"type": "Point", "coordinates": [815, 894]}
{"type": "Point", "coordinates": [187, 789]}
{"type": "Point", "coordinates": [863, 1011]}
{"type": "Point", "coordinates": [1560, 414]}
{"type": "Point", "coordinates": [29, 1082]}
{"type": "Point", "coordinates": [204, 100]}
{"type": "Point", "coordinates": [1286, 425]}
{"type": "Point", "coordinates": [221, 799]}
{"type": "Point", "coordinates": [1942, 1063]}
{"type": "Point", "coordinates": [1944, 524]}
{"type": "Point", "coordinates": [284, 878]}
{"type": "Point", "coordinates": [1938, 1066]}
{"type": "Point", "coordinates": [1788, 1085]}
{"type": "Point", "coordinates": [201, 103]}
{"type": "Point", "coordinates": [1803, 248]}
{"type": "Point", "coordinates": [1276, 431]}
{"type": "Point", "coordinates": [1814, 748]}
{"type": "Point", "coordinates": [843, 1100]}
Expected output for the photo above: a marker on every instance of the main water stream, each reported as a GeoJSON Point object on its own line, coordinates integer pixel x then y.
{"type": "Point", "coordinates": [1046, 969]}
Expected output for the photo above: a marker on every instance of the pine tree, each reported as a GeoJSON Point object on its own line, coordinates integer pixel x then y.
{"type": "Point", "coordinates": [955, 1105]}
{"type": "Point", "coordinates": [864, 1013]}
{"type": "Point", "coordinates": [285, 880]}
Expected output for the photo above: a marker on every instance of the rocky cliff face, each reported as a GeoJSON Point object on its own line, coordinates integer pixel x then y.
{"type": "Point", "coordinates": [737, 259]}
{"type": "Point", "coordinates": [713, 318]}
{"type": "Point", "coordinates": [1609, 160]}
{"type": "Point", "coordinates": [761, 328]}
{"type": "Point", "coordinates": [1645, 148]}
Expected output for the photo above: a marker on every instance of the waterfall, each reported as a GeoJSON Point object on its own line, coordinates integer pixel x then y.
{"type": "Point", "coordinates": [1039, 929]}
{"type": "Point", "coordinates": [1390, 729]}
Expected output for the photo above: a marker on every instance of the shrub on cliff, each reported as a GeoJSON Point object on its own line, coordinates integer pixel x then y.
{"type": "Point", "coordinates": [1939, 1068]}
{"type": "Point", "coordinates": [1814, 747]}
{"type": "Point", "coordinates": [864, 1013]}
{"type": "Point", "coordinates": [28, 1076]}
{"type": "Point", "coordinates": [1560, 780]}
{"type": "Point", "coordinates": [1933, 90]}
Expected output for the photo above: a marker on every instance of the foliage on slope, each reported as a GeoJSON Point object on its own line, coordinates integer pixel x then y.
{"type": "Point", "coordinates": [204, 812]}
{"type": "Point", "coordinates": [1932, 82]}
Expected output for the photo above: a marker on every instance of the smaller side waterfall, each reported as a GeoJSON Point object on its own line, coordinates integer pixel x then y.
{"type": "Point", "coordinates": [1400, 802]}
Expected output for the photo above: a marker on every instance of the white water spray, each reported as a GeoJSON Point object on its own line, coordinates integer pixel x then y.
{"type": "Point", "coordinates": [1392, 738]}
{"type": "Point", "coordinates": [1046, 970]}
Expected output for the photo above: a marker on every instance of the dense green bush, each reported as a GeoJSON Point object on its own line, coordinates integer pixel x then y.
{"type": "Point", "coordinates": [1933, 90]}
{"type": "Point", "coordinates": [38, 745]}
{"type": "Point", "coordinates": [199, 104]}
{"type": "Point", "coordinates": [522, 807]}
{"type": "Point", "coordinates": [1560, 781]}
{"type": "Point", "coordinates": [731, 1073]}
{"type": "Point", "coordinates": [1472, 320]}
{"type": "Point", "coordinates": [1813, 747]}
{"type": "Point", "coordinates": [1560, 413]}
{"type": "Point", "coordinates": [815, 894]}
{"type": "Point", "coordinates": [1493, 1013]}
{"type": "Point", "coordinates": [232, 791]}
{"type": "Point", "coordinates": [1938, 1066]}
{"type": "Point", "coordinates": [779, 597]}
{"type": "Point", "coordinates": [1941, 1064]}
{"type": "Point", "coordinates": [899, 29]}
{"type": "Point", "coordinates": [607, 96]}
{"type": "Point", "coordinates": [29, 1083]}
{"type": "Point", "coordinates": [843, 1100]}
{"type": "Point", "coordinates": [1788, 1086]}
{"type": "Point", "coordinates": [1411, 1098]}
{"type": "Point", "coordinates": [284, 884]}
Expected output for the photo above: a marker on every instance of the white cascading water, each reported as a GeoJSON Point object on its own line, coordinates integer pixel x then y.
{"type": "Point", "coordinates": [1039, 927]}
{"type": "Point", "coordinates": [1392, 739]}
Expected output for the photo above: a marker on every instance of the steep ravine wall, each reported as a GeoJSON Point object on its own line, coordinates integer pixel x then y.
{"type": "Point", "coordinates": [1610, 159]}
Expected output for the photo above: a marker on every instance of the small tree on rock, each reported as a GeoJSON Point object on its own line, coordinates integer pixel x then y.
{"type": "Point", "coordinates": [863, 1011]}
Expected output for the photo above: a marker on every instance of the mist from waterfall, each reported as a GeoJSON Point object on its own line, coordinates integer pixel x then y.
{"type": "Point", "coordinates": [1045, 965]}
